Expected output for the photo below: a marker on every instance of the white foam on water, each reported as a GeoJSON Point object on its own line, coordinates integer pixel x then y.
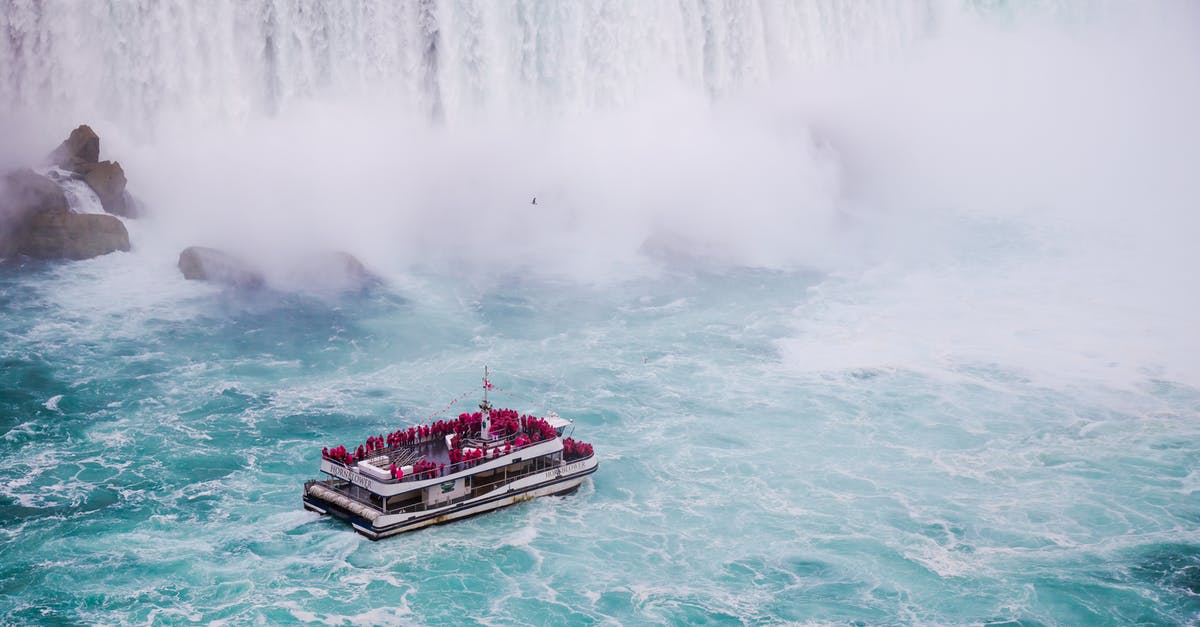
{"type": "Point", "coordinates": [973, 379]}
{"type": "Point", "coordinates": [1191, 483]}
{"type": "Point", "coordinates": [52, 402]}
{"type": "Point", "coordinates": [24, 430]}
{"type": "Point", "coordinates": [377, 616]}
{"type": "Point", "coordinates": [33, 483]}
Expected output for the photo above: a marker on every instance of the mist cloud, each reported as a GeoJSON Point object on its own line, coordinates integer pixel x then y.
{"type": "Point", "coordinates": [1038, 160]}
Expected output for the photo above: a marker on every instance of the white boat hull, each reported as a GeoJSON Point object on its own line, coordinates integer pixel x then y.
{"type": "Point", "coordinates": [376, 525]}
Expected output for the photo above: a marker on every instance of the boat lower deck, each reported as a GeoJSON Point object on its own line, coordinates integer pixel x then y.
{"type": "Point", "coordinates": [490, 492]}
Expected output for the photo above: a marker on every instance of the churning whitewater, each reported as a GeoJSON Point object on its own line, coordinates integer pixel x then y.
{"type": "Point", "coordinates": [874, 312]}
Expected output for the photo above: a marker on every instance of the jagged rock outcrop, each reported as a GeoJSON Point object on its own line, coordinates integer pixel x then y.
{"type": "Point", "coordinates": [80, 153]}
{"type": "Point", "coordinates": [199, 263]}
{"type": "Point", "coordinates": [107, 179]}
{"type": "Point", "coordinates": [35, 220]}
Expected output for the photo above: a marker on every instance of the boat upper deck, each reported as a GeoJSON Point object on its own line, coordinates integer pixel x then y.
{"type": "Point", "coordinates": [447, 447]}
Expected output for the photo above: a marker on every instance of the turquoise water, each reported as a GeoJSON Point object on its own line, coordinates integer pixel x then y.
{"type": "Point", "coordinates": [875, 312]}
{"type": "Point", "coordinates": [155, 435]}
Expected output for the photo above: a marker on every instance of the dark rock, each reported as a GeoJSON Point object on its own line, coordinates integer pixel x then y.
{"type": "Point", "coordinates": [107, 179]}
{"type": "Point", "coordinates": [24, 192]}
{"type": "Point", "coordinates": [35, 220]}
{"type": "Point", "coordinates": [70, 235]}
{"type": "Point", "coordinates": [80, 150]}
{"type": "Point", "coordinates": [80, 154]}
{"type": "Point", "coordinates": [199, 263]}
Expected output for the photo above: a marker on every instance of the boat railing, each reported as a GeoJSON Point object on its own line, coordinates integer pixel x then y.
{"type": "Point", "coordinates": [433, 439]}
{"type": "Point", "coordinates": [329, 484]}
{"type": "Point", "coordinates": [478, 490]}
{"type": "Point", "coordinates": [450, 469]}
{"type": "Point", "coordinates": [463, 465]}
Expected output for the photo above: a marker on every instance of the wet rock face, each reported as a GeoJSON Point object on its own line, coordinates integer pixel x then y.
{"type": "Point", "coordinates": [24, 191]}
{"type": "Point", "coordinates": [80, 154]}
{"type": "Point", "coordinates": [35, 220]}
{"type": "Point", "coordinates": [79, 150]}
{"type": "Point", "coordinates": [107, 179]}
{"type": "Point", "coordinates": [69, 235]}
{"type": "Point", "coordinates": [199, 263]}
{"type": "Point", "coordinates": [321, 273]}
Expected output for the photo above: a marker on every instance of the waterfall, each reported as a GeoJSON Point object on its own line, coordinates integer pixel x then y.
{"type": "Point", "coordinates": [81, 198]}
{"type": "Point", "coordinates": [757, 132]}
{"type": "Point", "coordinates": [136, 61]}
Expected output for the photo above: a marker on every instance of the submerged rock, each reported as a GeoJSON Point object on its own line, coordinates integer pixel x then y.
{"type": "Point", "coordinates": [36, 220]}
{"type": "Point", "coordinates": [333, 271]}
{"type": "Point", "coordinates": [318, 273]}
{"type": "Point", "coordinates": [199, 263]}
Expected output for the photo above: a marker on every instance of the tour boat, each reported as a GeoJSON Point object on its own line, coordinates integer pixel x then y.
{"type": "Point", "coordinates": [449, 469]}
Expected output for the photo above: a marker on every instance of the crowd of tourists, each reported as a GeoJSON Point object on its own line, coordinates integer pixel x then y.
{"type": "Point", "coordinates": [510, 429]}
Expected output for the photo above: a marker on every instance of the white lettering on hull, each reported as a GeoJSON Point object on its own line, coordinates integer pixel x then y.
{"type": "Point", "coordinates": [563, 470]}
{"type": "Point", "coordinates": [342, 472]}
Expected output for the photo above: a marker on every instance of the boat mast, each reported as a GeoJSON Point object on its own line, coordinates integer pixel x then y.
{"type": "Point", "coordinates": [485, 408]}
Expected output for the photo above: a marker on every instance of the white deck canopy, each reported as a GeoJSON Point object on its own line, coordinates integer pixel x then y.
{"type": "Point", "coordinates": [557, 422]}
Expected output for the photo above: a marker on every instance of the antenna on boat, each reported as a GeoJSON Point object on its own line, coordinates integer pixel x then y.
{"type": "Point", "coordinates": [485, 408]}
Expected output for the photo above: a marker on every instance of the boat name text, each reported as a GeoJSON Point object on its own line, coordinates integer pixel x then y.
{"type": "Point", "coordinates": [344, 473]}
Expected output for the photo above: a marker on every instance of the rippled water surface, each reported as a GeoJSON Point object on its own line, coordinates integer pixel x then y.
{"type": "Point", "coordinates": [157, 433]}
{"type": "Point", "coordinates": [875, 312]}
